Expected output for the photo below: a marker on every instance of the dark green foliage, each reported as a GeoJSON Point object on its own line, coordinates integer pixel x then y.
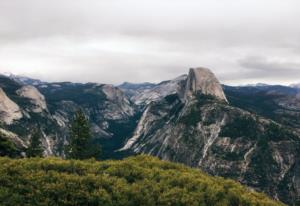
{"type": "Point", "coordinates": [272, 133]}
{"type": "Point", "coordinates": [264, 101]}
{"type": "Point", "coordinates": [7, 148]}
{"type": "Point", "coordinates": [226, 155]}
{"type": "Point", "coordinates": [258, 164]}
{"type": "Point", "coordinates": [35, 148]}
{"type": "Point", "coordinates": [121, 131]}
{"type": "Point", "coordinates": [171, 98]}
{"type": "Point", "coordinates": [83, 94]}
{"type": "Point", "coordinates": [193, 117]}
{"type": "Point", "coordinates": [277, 132]}
{"type": "Point", "coordinates": [203, 99]}
{"type": "Point", "coordinates": [80, 139]}
{"type": "Point", "coordinates": [241, 126]}
{"type": "Point", "coordinates": [254, 101]}
{"type": "Point", "coordinates": [140, 180]}
{"type": "Point", "coordinates": [10, 87]}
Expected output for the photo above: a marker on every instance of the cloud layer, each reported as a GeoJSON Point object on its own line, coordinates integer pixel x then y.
{"type": "Point", "coordinates": [112, 41]}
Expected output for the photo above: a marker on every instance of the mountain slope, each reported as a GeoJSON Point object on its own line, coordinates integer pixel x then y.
{"type": "Point", "coordinates": [205, 131]}
{"type": "Point", "coordinates": [142, 94]}
{"type": "Point", "coordinates": [140, 180]}
{"type": "Point", "coordinates": [250, 135]}
{"type": "Point", "coordinates": [279, 103]}
{"type": "Point", "coordinates": [51, 106]}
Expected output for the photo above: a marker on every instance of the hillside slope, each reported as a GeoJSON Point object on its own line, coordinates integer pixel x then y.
{"type": "Point", "coordinates": [50, 107]}
{"type": "Point", "coordinates": [140, 180]}
{"type": "Point", "coordinates": [199, 128]}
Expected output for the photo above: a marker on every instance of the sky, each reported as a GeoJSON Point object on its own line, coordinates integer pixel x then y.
{"type": "Point", "coordinates": [112, 41]}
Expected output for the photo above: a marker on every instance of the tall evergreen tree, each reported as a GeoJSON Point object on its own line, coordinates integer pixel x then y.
{"type": "Point", "coordinates": [7, 148]}
{"type": "Point", "coordinates": [35, 148]}
{"type": "Point", "coordinates": [80, 139]}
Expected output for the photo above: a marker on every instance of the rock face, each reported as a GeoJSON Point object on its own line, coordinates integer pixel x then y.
{"type": "Point", "coordinates": [147, 93]}
{"type": "Point", "coordinates": [121, 106]}
{"type": "Point", "coordinates": [254, 137]}
{"type": "Point", "coordinates": [51, 107]}
{"type": "Point", "coordinates": [204, 81]}
{"type": "Point", "coordinates": [9, 110]}
{"type": "Point", "coordinates": [203, 130]}
{"type": "Point", "coordinates": [199, 80]}
{"type": "Point", "coordinates": [36, 98]}
{"type": "Point", "coordinates": [112, 115]}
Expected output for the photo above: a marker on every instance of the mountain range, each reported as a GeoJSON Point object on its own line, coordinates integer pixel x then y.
{"type": "Point", "coordinates": [247, 133]}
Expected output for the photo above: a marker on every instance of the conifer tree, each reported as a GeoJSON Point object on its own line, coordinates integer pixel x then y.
{"type": "Point", "coordinates": [80, 139]}
{"type": "Point", "coordinates": [35, 148]}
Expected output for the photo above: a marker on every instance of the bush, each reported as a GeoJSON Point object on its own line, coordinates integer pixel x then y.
{"type": "Point", "coordinates": [140, 180]}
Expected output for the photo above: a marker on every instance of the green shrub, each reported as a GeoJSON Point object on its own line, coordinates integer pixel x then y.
{"type": "Point", "coordinates": [140, 180]}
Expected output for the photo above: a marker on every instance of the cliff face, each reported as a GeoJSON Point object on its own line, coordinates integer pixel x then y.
{"type": "Point", "coordinates": [36, 98]}
{"type": "Point", "coordinates": [204, 81]}
{"type": "Point", "coordinates": [50, 108]}
{"type": "Point", "coordinates": [203, 130]}
{"type": "Point", "coordinates": [9, 110]}
{"type": "Point", "coordinates": [252, 134]}
{"type": "Point", "coordinates": [143, 94]}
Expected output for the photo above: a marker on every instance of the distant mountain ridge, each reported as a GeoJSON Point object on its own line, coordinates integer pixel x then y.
{"type": "Point", "coordinates": [51, 106]}
{"type": "Point", "coordinates": [297, 85]}
{"type": "Point", "coordinates": [239, 139]}
{"type": "Point", "coordinates": [248, 133]}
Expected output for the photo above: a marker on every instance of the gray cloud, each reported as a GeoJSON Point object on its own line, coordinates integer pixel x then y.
{"type": "Point", "coordinates": [138, 40]}
{"type": "Point", "coordinates": [262, 68]}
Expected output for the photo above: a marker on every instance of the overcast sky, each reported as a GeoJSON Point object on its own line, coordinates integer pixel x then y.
{"type": "Point", "coordinates": [111, 41]}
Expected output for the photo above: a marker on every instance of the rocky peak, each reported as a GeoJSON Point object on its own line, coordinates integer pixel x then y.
{"type": "Point", "coordinates": [9, 110]}
{"type": "Point", "coordinates": [157, 92]}
{"type": "Point", "coordinates": [204, 81]}
{"type": "Point", "coordinates": [35, 97]}
{"type": "Point", "coordinates": [113, 93]}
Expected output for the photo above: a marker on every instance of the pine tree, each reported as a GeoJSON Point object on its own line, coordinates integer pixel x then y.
{"type": "Point", "coordinates": [35, 148]}
{"type": "Point", "coordinates": [80, 139]}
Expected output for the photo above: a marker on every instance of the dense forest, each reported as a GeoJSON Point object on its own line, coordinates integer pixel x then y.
{"type": "Point", "coordinates": [139, 180]}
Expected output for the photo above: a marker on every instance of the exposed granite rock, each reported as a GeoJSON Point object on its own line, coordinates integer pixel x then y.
{"type": "Point", "coordinates": [9, 110]}
{"type": "Point", "coordinates": [144, 94]}
{"type": "Point", "coordinates": [36, 98]}
{"type": "Point", "coordinates": [204, 81]}
{"type": "Point", "coordinates": [203, 130]}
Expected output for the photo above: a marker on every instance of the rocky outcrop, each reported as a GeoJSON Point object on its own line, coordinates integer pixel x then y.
{"type": "Point", "coordinates": [254, 139]}
{"type": "Point", "coordinates": [9, 110]}
{"type": "Point", "coordinates": [204, 81]}
{"type": "Point", "coordinates": [14, 138]}
{"type": "Point", "coordinates": [200, 129]}
{"type": "Point", "coordinates": [111, 114]}
{"type": "Point", "coordinates": [36, 98]}
{"type": "Point", "coordinates": [144, 94]}
{"type": "Point", "coordinates": [119, 106]}
{"type": "Point", "coordinates": [199, 80]}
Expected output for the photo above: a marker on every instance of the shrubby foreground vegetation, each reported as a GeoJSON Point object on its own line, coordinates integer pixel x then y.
{"type": "Point", "coordinates": [140, 180]}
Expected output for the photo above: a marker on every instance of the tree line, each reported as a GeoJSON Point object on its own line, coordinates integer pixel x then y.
{"type": "Point", "coordinates": [80, 144]}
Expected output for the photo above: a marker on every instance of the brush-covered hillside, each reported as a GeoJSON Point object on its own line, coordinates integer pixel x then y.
{"type": "Point", "coordinates": [140, 180]}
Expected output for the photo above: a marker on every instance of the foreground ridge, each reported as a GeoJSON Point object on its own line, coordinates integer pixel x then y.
{"type": "Point", "coordinates": [140, 180]}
